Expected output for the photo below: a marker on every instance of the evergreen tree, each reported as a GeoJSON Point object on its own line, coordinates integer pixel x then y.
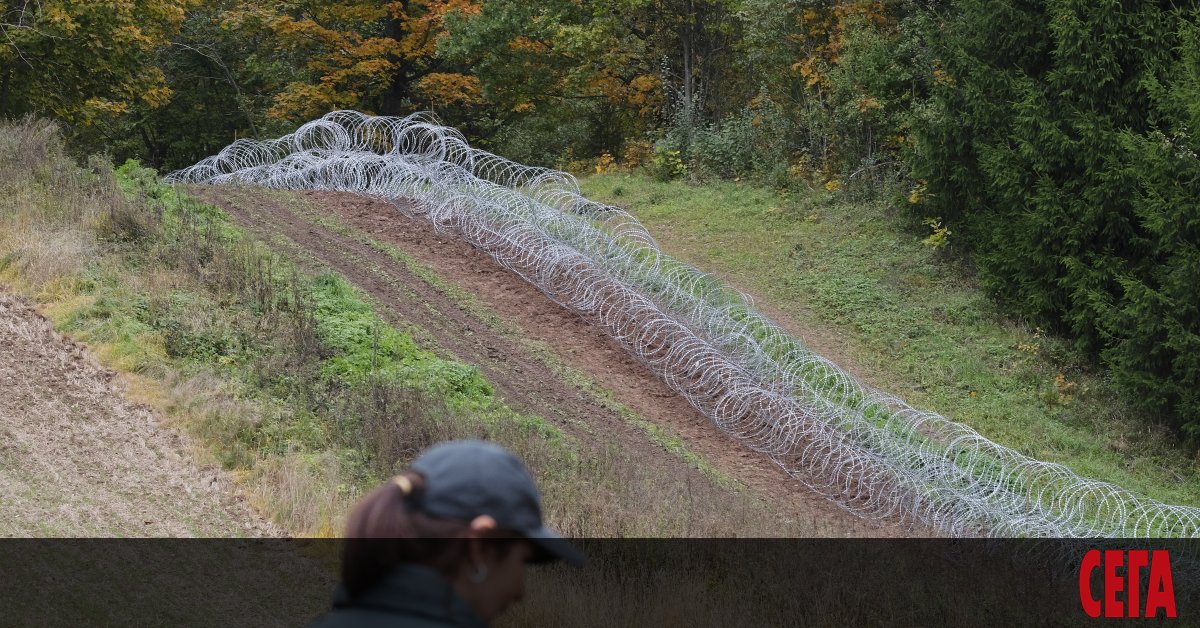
{"type": "Point", "coordinates": [1039, 146]}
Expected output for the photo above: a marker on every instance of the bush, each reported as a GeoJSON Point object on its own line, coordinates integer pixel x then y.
{"type": "Point", "coordinates": [725, 150]}
{"type": "Point", "coordinates": [536, 137]}
{"type": "Point", "coordinates": [636, 154]}
{"type": "Point", "coordinates": [751, 143]}
{"type": "Point", "coordinates": [667, 162]}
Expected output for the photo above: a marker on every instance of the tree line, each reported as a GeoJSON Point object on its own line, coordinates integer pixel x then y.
{"type": "Point", "coordinates": [1056, 139]}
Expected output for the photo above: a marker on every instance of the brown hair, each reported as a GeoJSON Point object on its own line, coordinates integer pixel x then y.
{"type": "Point", "coordinates": [387, 528]}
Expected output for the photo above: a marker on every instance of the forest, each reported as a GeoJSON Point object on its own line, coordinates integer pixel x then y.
{"type": "Point", "coordinates": [1048, 145]}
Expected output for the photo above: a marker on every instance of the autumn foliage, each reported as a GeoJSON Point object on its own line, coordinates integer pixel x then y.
{"type": "Point", "coordinates": [84, 62]}
{"type": "Point", "coordinates": [356, 55]}
{"type": "Point", "coordinates": [1049, 142]}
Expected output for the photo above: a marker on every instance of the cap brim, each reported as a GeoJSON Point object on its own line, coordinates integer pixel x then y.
{"type": "Point", "coordinates": [551, 546]}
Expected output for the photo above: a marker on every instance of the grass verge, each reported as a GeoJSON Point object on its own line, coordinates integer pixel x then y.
{"type": "Point", "coordinates": [662, 437]}
{"type": "Point", "coordinates": [291, 379]}
{"type": "Point", "coordinates": [908, 319]}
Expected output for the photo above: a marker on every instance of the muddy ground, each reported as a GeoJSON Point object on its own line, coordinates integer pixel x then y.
{"type": "Point", "coordinates": [524, 379]}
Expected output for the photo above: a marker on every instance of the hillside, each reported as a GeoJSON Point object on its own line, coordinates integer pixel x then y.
{"type": "Point", "coordinates": [542, 359]}
{"type": "Point", "coordinates": [80, 459]}
{"type": "Point", "coordinates": [862, 447]}
{"type": "Point", "coordinates": [331, 320]}
{"type": "Point", "coordinates": [848, 277]}
{"type": "Point", "coordinates": [311, 345]}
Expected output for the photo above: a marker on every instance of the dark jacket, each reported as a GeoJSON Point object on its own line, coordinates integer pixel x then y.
{"type": "Point", "coordinates": [412, 595]}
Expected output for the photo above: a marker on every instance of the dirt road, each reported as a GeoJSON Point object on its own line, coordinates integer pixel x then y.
{"type": "Point", "coordinates": [523, 379]}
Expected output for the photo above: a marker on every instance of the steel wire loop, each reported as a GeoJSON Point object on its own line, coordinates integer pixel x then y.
{"type": "Point", "coordinates": [868, 451]}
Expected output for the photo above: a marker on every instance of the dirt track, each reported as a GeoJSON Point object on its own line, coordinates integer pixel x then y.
{"type": "Point", "coordinates": [79, 459]}
{"type": "Point", "coordinates": [526, 382]}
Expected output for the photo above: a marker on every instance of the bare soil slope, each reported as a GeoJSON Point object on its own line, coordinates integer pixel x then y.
{"type": "Point", "coordinates": [79, 459]}
{"type": "Point", "coordinates": [522, 378]}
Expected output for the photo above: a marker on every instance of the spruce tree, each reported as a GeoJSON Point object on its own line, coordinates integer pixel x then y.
{"type": "Point", "coordinates": [1058, 145]}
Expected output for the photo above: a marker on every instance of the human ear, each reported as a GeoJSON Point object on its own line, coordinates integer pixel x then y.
{"type": "Point", "coordinates": [479, 528]}
{"type": "Point", "coordinates": [482, 524]}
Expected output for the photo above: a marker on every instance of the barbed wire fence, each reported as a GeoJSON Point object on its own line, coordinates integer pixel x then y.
{"type": "Point", "coordinates": [868, 451]}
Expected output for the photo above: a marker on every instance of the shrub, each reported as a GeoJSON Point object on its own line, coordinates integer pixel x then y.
{"type": "Point", "coordinates": [667, 164]}
{"type": "Point", "coordinates": [637, 153]}
{"type": "Point", "coordinates": [724, 150]}
{"type": "Point", "coordinates": [752, 142]}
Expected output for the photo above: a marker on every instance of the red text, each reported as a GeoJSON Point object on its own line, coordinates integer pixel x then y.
{"type": "Point", "coordinates": [1121, 573]}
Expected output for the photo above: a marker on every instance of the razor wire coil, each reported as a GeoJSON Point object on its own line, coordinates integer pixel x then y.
{"type": "Point", "coordinates": [868, 451]}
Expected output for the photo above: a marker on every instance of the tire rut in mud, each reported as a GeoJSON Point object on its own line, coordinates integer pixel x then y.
{"type": "Point", "coordinates": [525, 382]}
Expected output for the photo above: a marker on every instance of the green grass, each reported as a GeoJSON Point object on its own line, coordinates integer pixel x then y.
{"type": "Point", "coordinates": [662, 437]}
{"type": "Point", "coordinates": [292, 379]}
{"type": "Point", "coordinates": [368, 347]}
{"type": "Point", "coordinates": [909, 320]}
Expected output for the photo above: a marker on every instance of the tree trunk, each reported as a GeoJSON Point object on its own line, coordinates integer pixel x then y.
{"type": "Point", "coordinates": [689, 53]}
{"type": "Point", "coordinates": [4, 92]}
{"type": "Point", "coordinates": [398, 91]}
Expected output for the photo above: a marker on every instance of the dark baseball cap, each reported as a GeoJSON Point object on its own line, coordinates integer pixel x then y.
{"type": "Point", "coordinates": [468, 478]}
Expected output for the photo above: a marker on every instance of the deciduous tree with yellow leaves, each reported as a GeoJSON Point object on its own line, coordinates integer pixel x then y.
{"type": "Point", "coordinates": [84, 62]}
{"type": "Point", "coordinates": [374, 56]}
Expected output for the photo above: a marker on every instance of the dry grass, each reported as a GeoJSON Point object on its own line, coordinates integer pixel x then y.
{"type": "Point", "coordinates": [41, 253]}
{"type": "Point", "coordinates": [45, 210]}
{"type": "Point", "coordinates": [30, 145]}
{"type": "Point", "coordinates": [308, 492]}
{"type": "Point", "coordinates": [55, 215]}
{"type": "Point", "coordinates": [222, 339]}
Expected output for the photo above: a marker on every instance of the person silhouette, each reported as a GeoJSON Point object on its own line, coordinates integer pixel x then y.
{"type": "Point", "coordinates": [445, 543]}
